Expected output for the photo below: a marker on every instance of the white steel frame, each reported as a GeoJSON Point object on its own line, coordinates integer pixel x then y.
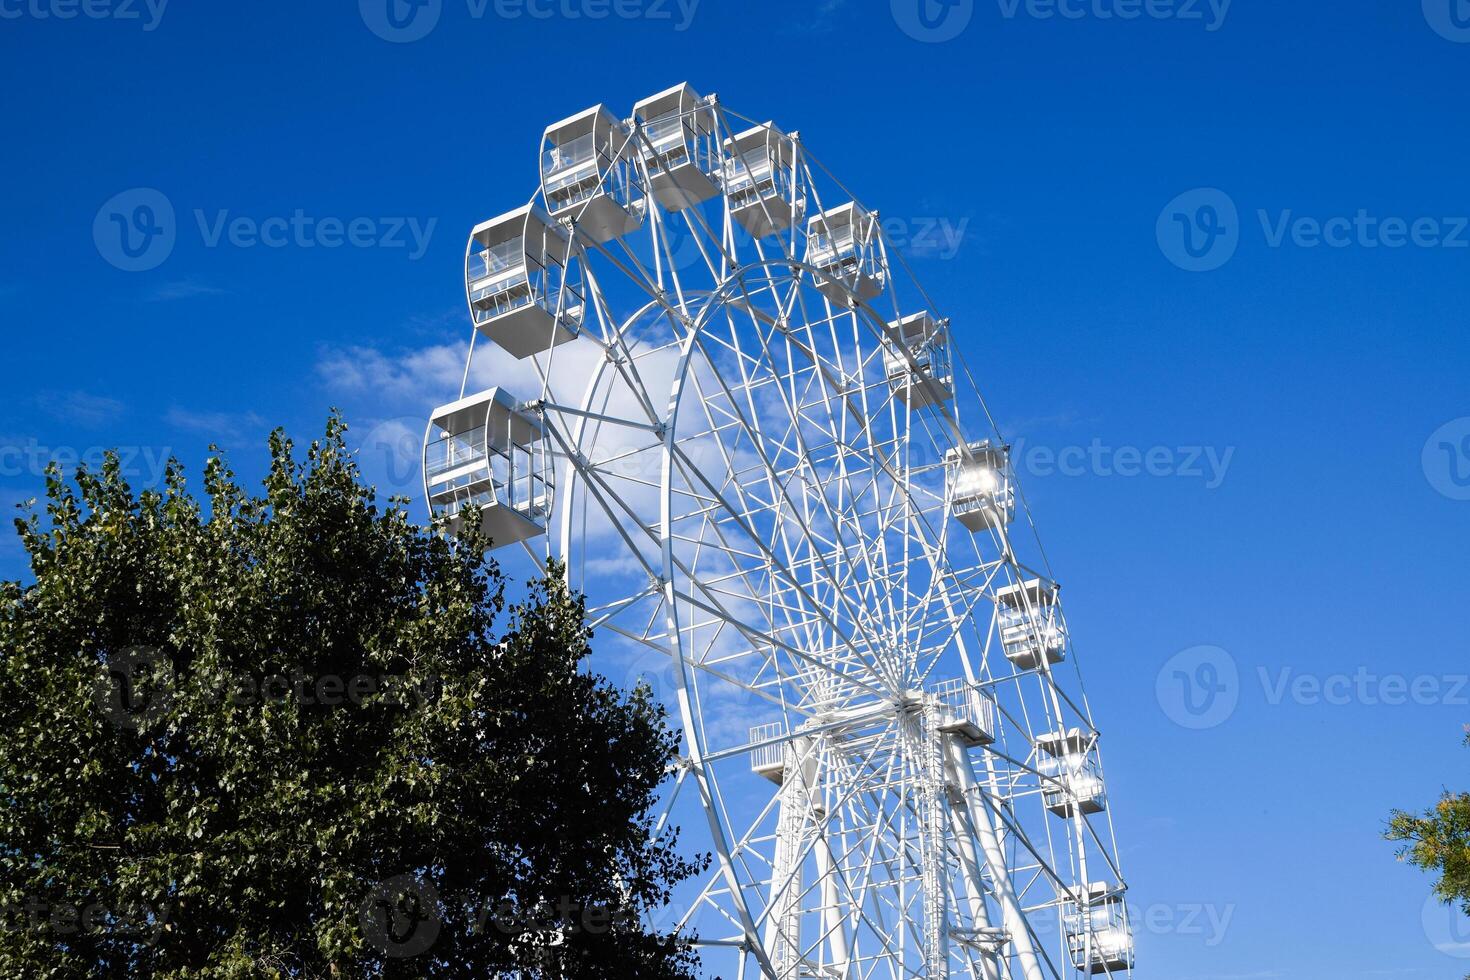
{"type": "Point", "coordinates": [743, 492]}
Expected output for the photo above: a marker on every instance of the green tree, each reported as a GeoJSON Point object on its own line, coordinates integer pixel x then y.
{"type": "Point", "coordinates": [296, 735]}
{"type": "Point", "coordinates": [1438, 841]}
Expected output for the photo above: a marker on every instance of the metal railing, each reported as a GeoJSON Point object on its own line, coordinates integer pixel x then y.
{"type": "Point", "coordinates": [772, 756]}
{"type": "Point", "coordinates": [962, 701]}
{"type": "Point", "coordinates": [455, 451]}
{"type": "Point", "coordinates": [578, 171]}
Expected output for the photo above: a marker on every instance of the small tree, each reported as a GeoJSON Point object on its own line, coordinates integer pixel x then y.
{"type": "Point", "coordinates": [298, 736]}
{"type": "Point", "coordinates": [1439, 842]}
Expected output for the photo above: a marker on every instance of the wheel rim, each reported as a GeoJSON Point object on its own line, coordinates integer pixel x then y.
{"type": "Point", "coordinates": [744, 493]}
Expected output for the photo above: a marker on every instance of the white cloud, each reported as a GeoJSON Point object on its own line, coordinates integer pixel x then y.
{"type": "Point", "coordinates": [80, 407]}
{"type": "Point", "coordinates": [183, 289]}
{"type": "Point", "coordinates": [405, 377]}
{"type": "Point", "coordinates": [221, 425]}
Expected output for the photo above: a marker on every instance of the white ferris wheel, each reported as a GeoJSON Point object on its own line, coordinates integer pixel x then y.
{"type": "Point", "coordinates": [761, 457]}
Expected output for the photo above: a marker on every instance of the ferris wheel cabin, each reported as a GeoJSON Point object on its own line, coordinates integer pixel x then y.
{"type": "Point", "coordinates": [679, 151]}
{"type": "Point", "coordinates": [844, 243]}
{"type": "Point", "coordinates": [1031, 627]}
{"type": "Point", "coordinates": [760, 177]}
{"type": "Point", "coordinates": [982, 485]}
{"type": "Point", "coordinates": [1072, 780]}
{"type": "Point", "coordinates": [516, 282]}
{"type": "Point", "coordinates": [918, 369]}
{"type": "Point", "coordinates": [1099, 937]}
{"type": "Point", "coordinates": [486, 461]}
{"type": "Point", "coordinates": [587, 175]}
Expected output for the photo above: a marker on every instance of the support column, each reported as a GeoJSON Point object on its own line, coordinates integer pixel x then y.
{"type": "Point", "coordinates": [964, 836]}
{"type": "Point", "coordinates": [979, 807]}
{"type": "Point", "coordinates": [834, 924]}
{"type": "Point", "coordinates": [932, 830]}
{"type": "Point", "coordinates": [783, 923]}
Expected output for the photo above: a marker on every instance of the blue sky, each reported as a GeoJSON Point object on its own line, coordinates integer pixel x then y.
{"type": "Point", "coordinates": [1228, 239]}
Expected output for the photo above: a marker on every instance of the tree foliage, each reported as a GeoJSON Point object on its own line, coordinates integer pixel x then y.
{"type": "Point", "coordinates": [296, 735]}
{"type": "Point", "coordinates": [1438, 841]}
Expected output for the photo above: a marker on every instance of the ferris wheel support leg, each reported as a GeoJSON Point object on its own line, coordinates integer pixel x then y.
{"type": "Point", "coordinates": [932, 800]}
{"type": "Point", "coordinates": [834, 925]}
{"type": "Point", "coordinates": [754, 947]}
{"type": "Point", "coordinates": [783, 922]}
{"type": "Point", "coordinates": [979, 809]}
{"type": "Point", "coordinates": [964, 836]}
